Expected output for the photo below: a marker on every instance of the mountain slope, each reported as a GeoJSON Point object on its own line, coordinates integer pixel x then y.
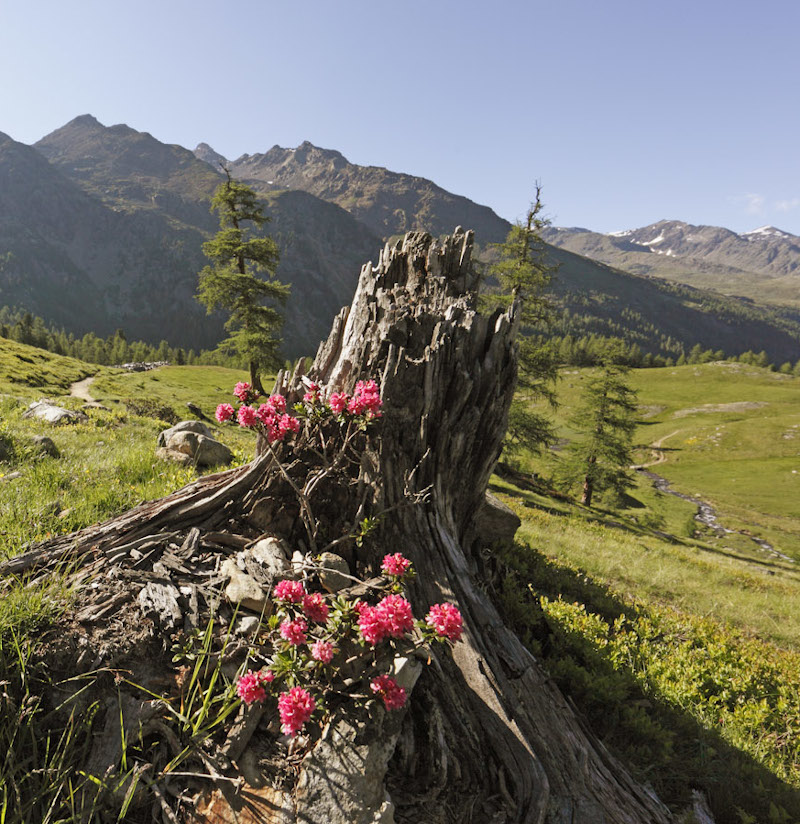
{"type": "Point", "coordinates": [763, 264]}
{"type": "Point", "coordinates": [163, 193]}
{"type": "Point", "coordinates": [388, 202]}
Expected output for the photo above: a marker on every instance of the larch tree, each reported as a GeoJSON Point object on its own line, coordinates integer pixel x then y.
{"type": "Point", "coordinates": [602, 455]}
{"type": "Point", "coordinates": [524, 273]}
{"type": "Point", "coordinates": [235, 282]}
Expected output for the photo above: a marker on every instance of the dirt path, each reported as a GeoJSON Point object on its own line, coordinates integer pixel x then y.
{"type": "Point", "coordinates": [80, 389]}
{"type": "Point", "coordinates": [658, 454]}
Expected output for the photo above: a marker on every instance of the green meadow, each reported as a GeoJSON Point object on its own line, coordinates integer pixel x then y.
{"type": "Point", "coordinates": [680, 646]}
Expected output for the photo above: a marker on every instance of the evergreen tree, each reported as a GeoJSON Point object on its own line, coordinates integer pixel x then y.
{"type": "Point", "coordinates": [605, 418]}
{"type": "Point", "coordinates": [524, 272]}
{"type": "Point", "coordinates": [233, 280]}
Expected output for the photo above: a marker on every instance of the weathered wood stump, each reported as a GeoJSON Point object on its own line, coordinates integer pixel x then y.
{"type": "Point", "coordinates": [485, 737]}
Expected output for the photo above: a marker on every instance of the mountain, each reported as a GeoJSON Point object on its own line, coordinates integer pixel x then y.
{"type": "Point", "coordinates": [102, 227]}
{"type": "Point", "coordinates": [137, 215]}
{"type": "Point", "coordinates": [390, 203]}
{"type": "Point", "coordinates": [763, 264]}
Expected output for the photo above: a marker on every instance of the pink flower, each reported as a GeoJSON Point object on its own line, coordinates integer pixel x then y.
{"type": "Point", "coordinates": [394, 696]}
{"type": "Point", "coordinates": [322, 651]}
{"type": "Point", "coordinates": [396, 615]}
{"type": "Point", "coordinates": [315, 608]}
{"type": "Point", "coordinates": [395, 564]}
{"type": "Point", "coordinates": [371, 625]}
{"type": "Point", "coordinates": [290, 591]}
{"type": "Point", "coordinates": [368, 398]}
{"type": "Point", "coordinates": [247, 416]}
{"type": "Point", "coordinates": [294, 631]}
{"type": "Point", "coordinates": [277, 402]}
{"type": "Point", "coordinates": [312, 396]}
{"type": "Point", "coordinates": [391, 618]}
{"type": "Point", "coordinates": [250, 687]}
{"type": "Point", "coordinates": [288, 424]}
{"type": "Point", "coordinates": [244, 392]}
{"type": "Point", "coordinates": [338, 402]}
{"type": "Point", "coordinates": [266, 414]}
{"type": "Point", "coordinates": [445, 620]}
{"type": "Point", "coordinates": [356, 405]}
{"type": "Point", "coordinates": [295, 708]}
{"type": "Point", "coordinates": [224, 412]}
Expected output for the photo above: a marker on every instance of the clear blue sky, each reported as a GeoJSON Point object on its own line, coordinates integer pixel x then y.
{"type": "Point", "coordinates": [627, 111]}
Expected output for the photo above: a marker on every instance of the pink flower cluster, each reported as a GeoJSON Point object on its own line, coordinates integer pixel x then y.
{"type": "Point", "coordinates": [322, 651]}
{"type": "Point", "coordinates": [389, 618]}
{"type": "Point", "coordinates": [292, 592]}
{"type": "Point", "coordinates": [295, 708]}
{"type": "Point", "coordinates": [244, 392]}
{"type": "Point", "coordinates": [312, 394]}
{"type": "Point", "coordinates": [366, 400]}
{"type": "Point", "coordinates": [394, 696]}
{"type": "Point", "coordinates": [224, 412]}
{"type": "Point", "coordinates": [250, 686]}
{"type": "Point", "coordinates": [294, 631]}
{"type": "Point", "coordinates": [445, 619]}
{"type": "Point", "coordinates": [395, 564]}
{"type": "Point", "coordinates": [315, 608]}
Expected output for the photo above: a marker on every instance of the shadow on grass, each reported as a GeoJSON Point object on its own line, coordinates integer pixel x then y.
{"type": "Point", "coordinates": [662, 744]}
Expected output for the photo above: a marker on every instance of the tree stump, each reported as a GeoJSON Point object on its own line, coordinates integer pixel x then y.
{"type": "Point", "coordinates": [485, 737]}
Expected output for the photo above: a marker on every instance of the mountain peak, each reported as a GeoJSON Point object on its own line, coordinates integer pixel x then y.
{"type": "Point", "coordinates": [767, 231]}
{"type": "Point", "coordinates": [205, 153]}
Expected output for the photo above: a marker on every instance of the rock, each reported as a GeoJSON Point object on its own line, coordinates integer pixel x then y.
{"type": "Point", "coordinates": [271, 554]}
{"type": "Point", "coordinates": [182, 441]}
{"type": "Point", "coordinates": [211, 452]}
{"type": "Point", "coordinates": [243, 589]}
{"type": "Point", "coordinates": [246, 625]}
{"type": "Point", "coordinates": [197, 427]}
{"type": "Point", "coordinates": [50, 413]}
{"type": "Point", "coordinates": [12, 476]}
{"type": "Point", "coordinates": [495, 521]}
{"type": "Point", "coordinates": [252, 805]}
{"type": "Point", "coordinates": [182, 458]}
{"type": "Point", "coordinates": [196, 410]}
{"type": "Point", "coordinates": [329, 577]}
{"type": "Point", "coordinates": [160, 602]}
{"type": "Point", "coordinates": [46, 446]}
{"type": "Point", "coordinates": [298, 561]}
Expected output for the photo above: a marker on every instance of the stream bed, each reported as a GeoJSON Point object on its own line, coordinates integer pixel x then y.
{"type": "Point", "coordinates": [708, 517]}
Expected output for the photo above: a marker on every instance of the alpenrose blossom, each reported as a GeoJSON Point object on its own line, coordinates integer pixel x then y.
{"type": "Point", "coordinates": [294, 631]}
{"type": "Point", "coordinates": [247, 416]}
{"type": "Point", "coordinates": [338, 402]}
{"type": "Point", "coordinates": [395, 564]}
{"type": "Point", "coordinates": [292, 592]}
{"type": "Point", "coordinates": [250, 686]}
{"type": "Point", "coordinates": [394, 696]}
{"type": "Point", "coordinates": [445, 619]}
{"type": "Point", "coordinates": [315, 608]}
{"type": "Point", "coordinates": [312, 396]}
{"type": "Point", "coordinates": [244, 392]}
{"type": "Point", "coordinates": [224, 412]}
{"type": "Point", "coordinates": [322, 651]}
{"type": "Point", "coordinates": [390, 618]}
{"type": "Point", "coordinates": [295, 708]}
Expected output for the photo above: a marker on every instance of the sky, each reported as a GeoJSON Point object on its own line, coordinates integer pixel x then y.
{"type": "Point", "coordinates": [626, 111]}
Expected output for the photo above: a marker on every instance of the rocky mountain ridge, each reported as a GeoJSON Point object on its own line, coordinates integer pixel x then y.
{"type": "Point", "coordinates": [763, 264]}
{"type": "Point", "coordinates": [102, 228]}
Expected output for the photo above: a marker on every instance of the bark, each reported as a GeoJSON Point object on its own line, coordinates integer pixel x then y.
{"type": "Point", "coordinates": [486, 737]}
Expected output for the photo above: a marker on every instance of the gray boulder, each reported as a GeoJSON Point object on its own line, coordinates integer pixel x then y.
{"type": "Point", "coordinates": [53, 414]}
{"type": "Point", "coordinates": [198, 427]}
{"type": "Point", "coordinates": [192, 440]}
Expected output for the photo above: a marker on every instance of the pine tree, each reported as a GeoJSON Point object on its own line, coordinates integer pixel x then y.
{"type": "Point", "coordinates": [605, 418]}
{"type": "Point", "coordinates": [524, 273]}
{"type": "Point", "coordinates": [233, 282]}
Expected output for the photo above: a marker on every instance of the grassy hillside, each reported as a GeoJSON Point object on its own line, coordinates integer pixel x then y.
{"type": "Point", "coordinates": [681, 648]}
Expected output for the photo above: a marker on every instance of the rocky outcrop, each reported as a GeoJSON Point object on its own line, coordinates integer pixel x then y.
{"type": "Point", "coordinates": [53, 414]}
{"type": "Point", "coordinates": [191, 442]}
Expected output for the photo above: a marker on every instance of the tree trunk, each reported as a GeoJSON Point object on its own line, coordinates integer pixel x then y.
{"type": "Point", "coordinates": [486, 736]}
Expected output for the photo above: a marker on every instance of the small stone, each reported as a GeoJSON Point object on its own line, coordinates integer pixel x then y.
{"type": "Point", "coordinates": [198, 427]}
{"type": "Point", "coordinates": [298, 562]}
{"type": "Point", "coordinates": [271, 554]}
{"type": "Point", "coordinates": [330, 576]}
{"type": "Point", "coordinates": [246, 625]}
{"type": "Point", "coordinates": [50, 413]}
{"type": "Point", "coordinates": [244, 590]}
{"type": "Point", "coordinates": [65, 513]}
